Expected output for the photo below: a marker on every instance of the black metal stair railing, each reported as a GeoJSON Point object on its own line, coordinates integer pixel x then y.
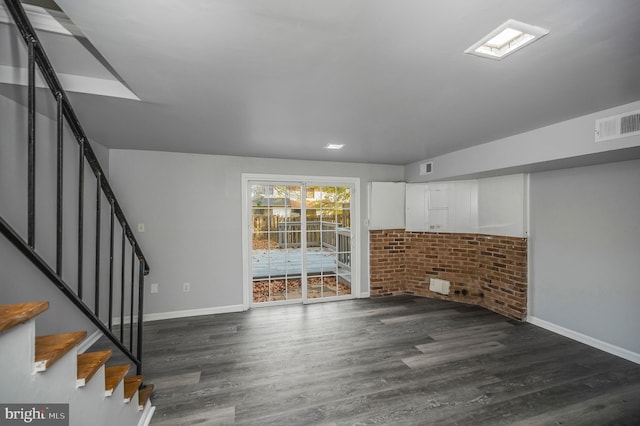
{"type": "Point", "coordinates": [66, 115]}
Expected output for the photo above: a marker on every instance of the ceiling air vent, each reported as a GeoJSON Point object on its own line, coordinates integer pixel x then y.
{"type": "Point", "coordinates": [618, 126]}
{"type": "Point", "coordinates": [426, 168]}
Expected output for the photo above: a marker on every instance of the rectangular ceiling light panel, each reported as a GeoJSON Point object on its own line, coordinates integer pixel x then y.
{"type": "Point", "coordinates": [333, 146]}
{"type": "Point", "coordinates": [506, 39]}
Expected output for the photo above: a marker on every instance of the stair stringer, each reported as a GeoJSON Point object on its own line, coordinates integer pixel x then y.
{"type": "Point", "coordinates": [88, 405]}
{"type": "Point", "coordinates": [17, 353]}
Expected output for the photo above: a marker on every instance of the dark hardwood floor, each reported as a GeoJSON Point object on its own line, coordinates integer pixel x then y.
{"type": "Point", "coordinates": [396, 360]}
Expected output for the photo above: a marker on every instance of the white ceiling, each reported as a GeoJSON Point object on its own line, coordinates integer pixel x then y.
{"type": "Point", "coordinates": [388, 78]}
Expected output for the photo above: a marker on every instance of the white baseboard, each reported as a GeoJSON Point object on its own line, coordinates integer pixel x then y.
{"type": "Point", "coordinates": [193, 312]}
{"type": "Point", "coordinates": [184, 314]}
{"type": "Point", "coordinates": [587, 340]}
{"type": "Point", "coordinates": [147, 414]}
{"type": "Point", "coordinates": [87, 342]}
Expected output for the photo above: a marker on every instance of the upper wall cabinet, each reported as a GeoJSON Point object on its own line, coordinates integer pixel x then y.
{"type": "Point", "coordinates": [502, 206]}
{"type": "Point", "coordinates": [442, 207]}
{"type": "Point", "coordinates": [386, 205]}
{"type": "Point", "coordinates": [488, 206]}
{"type": "Point", "coordinates": [416, 207]}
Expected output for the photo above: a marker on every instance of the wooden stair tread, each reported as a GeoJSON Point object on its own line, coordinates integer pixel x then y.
{"type": "Point", "coordinates": [113, 376]}
{"type": "Point", "coordinates": [144, 395]}
{"type": "Point", "coordinates": [89, 363]}
{"type": "Point", "coordinates": [52, 347]}
{"type": "Point", "coordinates": [131, 385]}
{"type": "Point", "coordinates": [17, 313]}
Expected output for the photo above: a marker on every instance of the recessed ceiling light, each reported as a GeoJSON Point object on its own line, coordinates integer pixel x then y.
{"type": "Point", "coordinates": [506, 39]}
{"type": "Point", "coordinates": [333, 146]}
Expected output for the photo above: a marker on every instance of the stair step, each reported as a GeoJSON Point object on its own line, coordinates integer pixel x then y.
{"type": "Point", "coordinates": [131, 385]}
{"type": "Point", "coordinates": [17, 313]}
{"type": "Point", "coordinates": [113, 376]}
{"type": "Point", "coordinates": [51, 348]}
{"type": "Point", "coordinates": [88, 364]}
{"type": "Point", "coordinates": [144, 395]}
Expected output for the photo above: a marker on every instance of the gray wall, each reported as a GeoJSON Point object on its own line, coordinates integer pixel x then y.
{"type": "Point", "coordinates": [19, 280]}
{"type": "Point", "coordinates": [566, 144]}
{"type": "Point", "coordinates": [191, 206]}
{"type": "Point", "coordinates": [585, 251]}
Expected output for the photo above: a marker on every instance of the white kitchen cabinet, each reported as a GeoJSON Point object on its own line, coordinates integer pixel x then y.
{"type": "Point", "coordinates": [463, 210]}
{"type": "Point", "coordinates": [427, 207]}
{"type": "Point", "coordinates": [438, 203]}
{"type": "Point", "coordinates": [386, 205]}
{"type": "Point", "coordinates": [442, 207]}
{"type": "Point", "coordinates": [494, 206]}
{"type": "Point", "coordinates": [502, 205]}
{"type": "Point", "coordinates": [416, 207]}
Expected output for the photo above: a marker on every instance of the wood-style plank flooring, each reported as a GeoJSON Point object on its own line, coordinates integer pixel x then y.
{"type": "Point", "coordinates": [396, 360]}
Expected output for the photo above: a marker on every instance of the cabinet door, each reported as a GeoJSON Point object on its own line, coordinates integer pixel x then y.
{"type": "Point", "coordinates": [438, 220]}
{"type": "Point", "coordinates": [463, 209]}
{"type": "Point", "coordinates": [438, 207]}
{"type": "Point", "coordinates": [386, 205]}
{"type": "Point", "coordinates": [438, 195]}
{"type": "Point", "coordinates": [416, 207]}
{"type": "Point", "coordinates": [502, 205]}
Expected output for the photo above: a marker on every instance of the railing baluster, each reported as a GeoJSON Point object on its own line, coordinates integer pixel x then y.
{"type": "Point", "coordinates": [39, 62]}
{"type": "Point", "coordinates": [140, 314]}
{"type": "Point", "coordinates": [111, 250]}
{"type": "Point", "coordinates": [60, 189]}
{"type": "Point", "coordinates": [133, 271]}
{"type": "Point", "coordinates": [31, 171]}
{"type": "Point", "coordinates": [98, 233]}
{"type": "Point", "coordinates": [122, 288]}
{"type": "Point", "coordinates": [80, 216]}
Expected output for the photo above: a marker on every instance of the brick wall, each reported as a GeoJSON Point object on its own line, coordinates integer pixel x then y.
{"type": "Point", "coordinates": [485, 270]}
{"type": "Point", "coordinates": [386, 262]}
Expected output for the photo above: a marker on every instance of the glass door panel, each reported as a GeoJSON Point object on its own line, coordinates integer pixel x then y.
{"type": "Point", "coordinates": [276, 243]}
{"type": "Point", "coordinates": [328, 251]}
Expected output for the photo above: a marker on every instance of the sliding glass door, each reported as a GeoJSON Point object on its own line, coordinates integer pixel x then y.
{"type": "Point", "coordinates": [301, 242]}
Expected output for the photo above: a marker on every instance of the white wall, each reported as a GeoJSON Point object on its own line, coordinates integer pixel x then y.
{"type": "Point", "coordinates": [191, 206]}
{"type": "Point", "coordinates": [561, 145]}
{"type": "Point", "coordinates": [585, 252]}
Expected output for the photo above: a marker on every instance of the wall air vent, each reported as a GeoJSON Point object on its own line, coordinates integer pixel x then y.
{"type": "Point", "coordinates": [426, 168]}
{"type": "Point", "coordinates": [618, 126]}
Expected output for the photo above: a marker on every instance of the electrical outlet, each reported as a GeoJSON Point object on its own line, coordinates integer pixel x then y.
{"type": "Point", "coordinates": [154, 288]}
{"type": "Point", "coordinates": [186, 287]}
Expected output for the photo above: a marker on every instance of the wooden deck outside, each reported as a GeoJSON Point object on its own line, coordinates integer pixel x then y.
{"type": "Point", "coordinates": [281, 263]}
{"type": "Point", "coordinates": [277, 261]}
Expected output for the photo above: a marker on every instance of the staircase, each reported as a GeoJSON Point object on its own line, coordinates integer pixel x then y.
{"type": "Point", "coordinates": [49, 369]}
{"type": "Point", "coordinates": [62, 215]}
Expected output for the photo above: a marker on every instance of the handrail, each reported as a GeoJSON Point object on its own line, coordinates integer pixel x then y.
{"type": "Point", "coordinates": [38, 261]}
{"type": "Point", "coordinates": [46, 69]}
{"type": "Point", "coordinates": [66, 114]}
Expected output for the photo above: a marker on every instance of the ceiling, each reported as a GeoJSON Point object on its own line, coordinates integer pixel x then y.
{"type": "Point", "coordinates": [389, 79]}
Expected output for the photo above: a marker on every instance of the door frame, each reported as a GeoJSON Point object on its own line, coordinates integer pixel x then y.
{"type": "Point", "coordinates": [308, 180]}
